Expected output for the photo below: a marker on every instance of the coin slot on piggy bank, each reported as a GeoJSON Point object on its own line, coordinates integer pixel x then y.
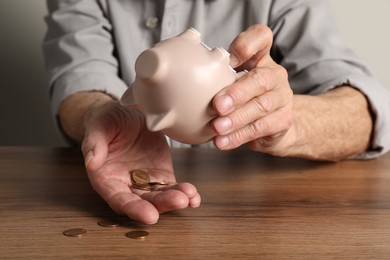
{"type": "Point", "coordinates": [175, 83]}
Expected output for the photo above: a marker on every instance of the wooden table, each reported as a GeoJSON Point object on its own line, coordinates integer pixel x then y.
{"type": "Point", "coordinates": [253, 206]}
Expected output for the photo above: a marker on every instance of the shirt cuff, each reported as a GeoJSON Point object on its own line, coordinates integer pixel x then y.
{"type": "Point", "coordinates": [78, 82]}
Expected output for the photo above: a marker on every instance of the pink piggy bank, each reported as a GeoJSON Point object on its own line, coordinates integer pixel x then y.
{"type": "Point", "coordinates": [175, 83]}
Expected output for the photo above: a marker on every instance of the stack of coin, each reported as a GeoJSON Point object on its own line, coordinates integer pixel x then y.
{"type": "Point", "coordinates": [141, 180]}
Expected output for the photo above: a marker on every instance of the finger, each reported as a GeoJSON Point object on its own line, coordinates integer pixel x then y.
{"type": "Point", "coordinates": [195, 201]}
{"type": "Point", "coordinates": [134, 207]}
{"type": "Point", "coordinates": [174, 197]}
{"type": "Point", "coordinates": [121, 199]}
{"type": "Point", "coordinates": [254, 83]}
{"type": "Point", "coordinates": [190, 191]}
{"type": "Point", "coordinates": [269, 125]}
{"type": "Point", "coordinates": [256, 108]}
{"type": "Point", "coordinates": [167, 200]}
{"type": "Point", "coordinates": [255, 42]}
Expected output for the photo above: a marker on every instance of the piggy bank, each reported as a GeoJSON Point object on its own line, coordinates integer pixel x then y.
{"type": "Point", "coordinates": [175, 83]}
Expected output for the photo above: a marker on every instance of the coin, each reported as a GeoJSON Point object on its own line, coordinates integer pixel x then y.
{"type": "Point", "coordinates": [140, 177]}
{"type": "Point", "coordinates": [137, 234]}
{"type": "Point", "coordinates": [75, 232]}
{"type": "Point", "coordinates": [146, 187]}
{"type": "Point", "coordinates": [157, 183]}
{"type": "Point", "coordinates": [141, 180]}
{"type": "Point", "coordinates": [108, 223]}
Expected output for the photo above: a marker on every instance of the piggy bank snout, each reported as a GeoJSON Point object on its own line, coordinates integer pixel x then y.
{"type": "Point", "coordinates": [150, 65]}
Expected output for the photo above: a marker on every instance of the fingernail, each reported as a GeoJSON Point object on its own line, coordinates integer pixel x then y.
{"type": "Point", "coordinates": [223, 141]}
{"type": "Point", "coordinates": [224, 104]}
{"type": "Point", "coordinates": [88, 158]}
{"type": "Point", "coordinates": [233, 60]}
{"type": "Point", "coordinates": [223, 124]}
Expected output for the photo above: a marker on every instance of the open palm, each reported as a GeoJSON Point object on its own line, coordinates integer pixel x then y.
{"type": "Point", "coordinates": [117, 142]}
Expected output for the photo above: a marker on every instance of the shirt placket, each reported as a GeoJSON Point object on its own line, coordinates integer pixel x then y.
{"type": "Point", "coordinates": [169, 25]}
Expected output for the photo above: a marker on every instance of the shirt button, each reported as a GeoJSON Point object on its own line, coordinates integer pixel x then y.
{"type": "Point", "coordinates": [151, 22]}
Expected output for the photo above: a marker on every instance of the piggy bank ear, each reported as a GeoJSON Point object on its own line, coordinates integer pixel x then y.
{"type": "Point", "coordinates": [158, 122]}
{"type": "Point", "coordinates": [192, 34]}
{"type": "Point", "coordinates": [220, 55]}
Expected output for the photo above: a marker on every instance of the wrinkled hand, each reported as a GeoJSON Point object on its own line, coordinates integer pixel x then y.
{"type": "Point", "coordinates": [116, 142]}
{"type": "Point", "coordinates": [257, 108]}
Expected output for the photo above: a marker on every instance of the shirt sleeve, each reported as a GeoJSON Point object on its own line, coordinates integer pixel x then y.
{"type": "Point", "coordinates": [78, 51]}
{"type": "Point", "coordinates": [308, 45]}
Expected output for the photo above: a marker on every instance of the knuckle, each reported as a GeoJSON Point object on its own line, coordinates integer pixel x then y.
{"type": "Point", "coordinates": [240, 46]}
{"type": "Point", "coordinates": [235, 139]}
{"type": "Point", "coordinates": [239, 118]}
{"type": "Point", "coordinates": [282, 75]}
{"type": "Point", "coordinates": [261, 78]}
{"type": "Point", "coordinates": [261, 28]}
{"type": "Point", "coordinates": [290, 93]}
{"type": "Point", "coordinates": [266, 31]}
{"type": "Point", "coordinates": [237, 92]}
{"type": "Point", "coordinates": [282, 72]}
{"type": "Point", "coordinates": [256, 128]}
{"type": "Point", "coordinates": [263, 104]}
{"type": "Point", "coordinates": [242, 136]}
{"type": "Point", "coordinates": [260, 145]}
{"type": "Point", "coordinates": [267, 144]}
{"type": "Point", "coordinates": [288, 123]}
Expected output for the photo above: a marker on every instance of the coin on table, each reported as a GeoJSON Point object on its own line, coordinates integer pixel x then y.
{"type": "Point", "coordinates": [108, 223]}
{"type": "Point", "coordinates": [140, 177]}
{"type": "Point", "coordinates": [75, 232]}
{"type": "Point", "coordinates": [137, 234]}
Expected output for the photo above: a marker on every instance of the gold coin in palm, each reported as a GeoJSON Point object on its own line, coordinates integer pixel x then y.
{"type": "Point", "coordinates": [140, 178]}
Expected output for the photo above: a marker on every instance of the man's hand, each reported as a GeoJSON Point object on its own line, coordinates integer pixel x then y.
{"type": "Point", "coordinates": [115, 143]}
{"type": "Point", "coordinates": [260, 110]}
{"type": "Point", "coordinates": [258, 106]}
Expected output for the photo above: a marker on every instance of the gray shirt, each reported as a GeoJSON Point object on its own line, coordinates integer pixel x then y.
{"type": "Point", "coordinates": [93, 45]}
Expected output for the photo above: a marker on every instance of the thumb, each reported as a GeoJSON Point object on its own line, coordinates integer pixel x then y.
{"type": "Point", "coordinates": [94, 149]}
{"type": "Point", "coordinates": [252, 44]}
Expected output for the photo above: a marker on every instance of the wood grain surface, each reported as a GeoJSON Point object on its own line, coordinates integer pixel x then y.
{"type": "Point", "coordinates": [254, 206]}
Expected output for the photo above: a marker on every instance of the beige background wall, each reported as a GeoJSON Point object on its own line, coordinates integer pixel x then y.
{"type": "Point", "coordinates": [364, 25]}
{"type": "Point", "coordinates": [24, 110]}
